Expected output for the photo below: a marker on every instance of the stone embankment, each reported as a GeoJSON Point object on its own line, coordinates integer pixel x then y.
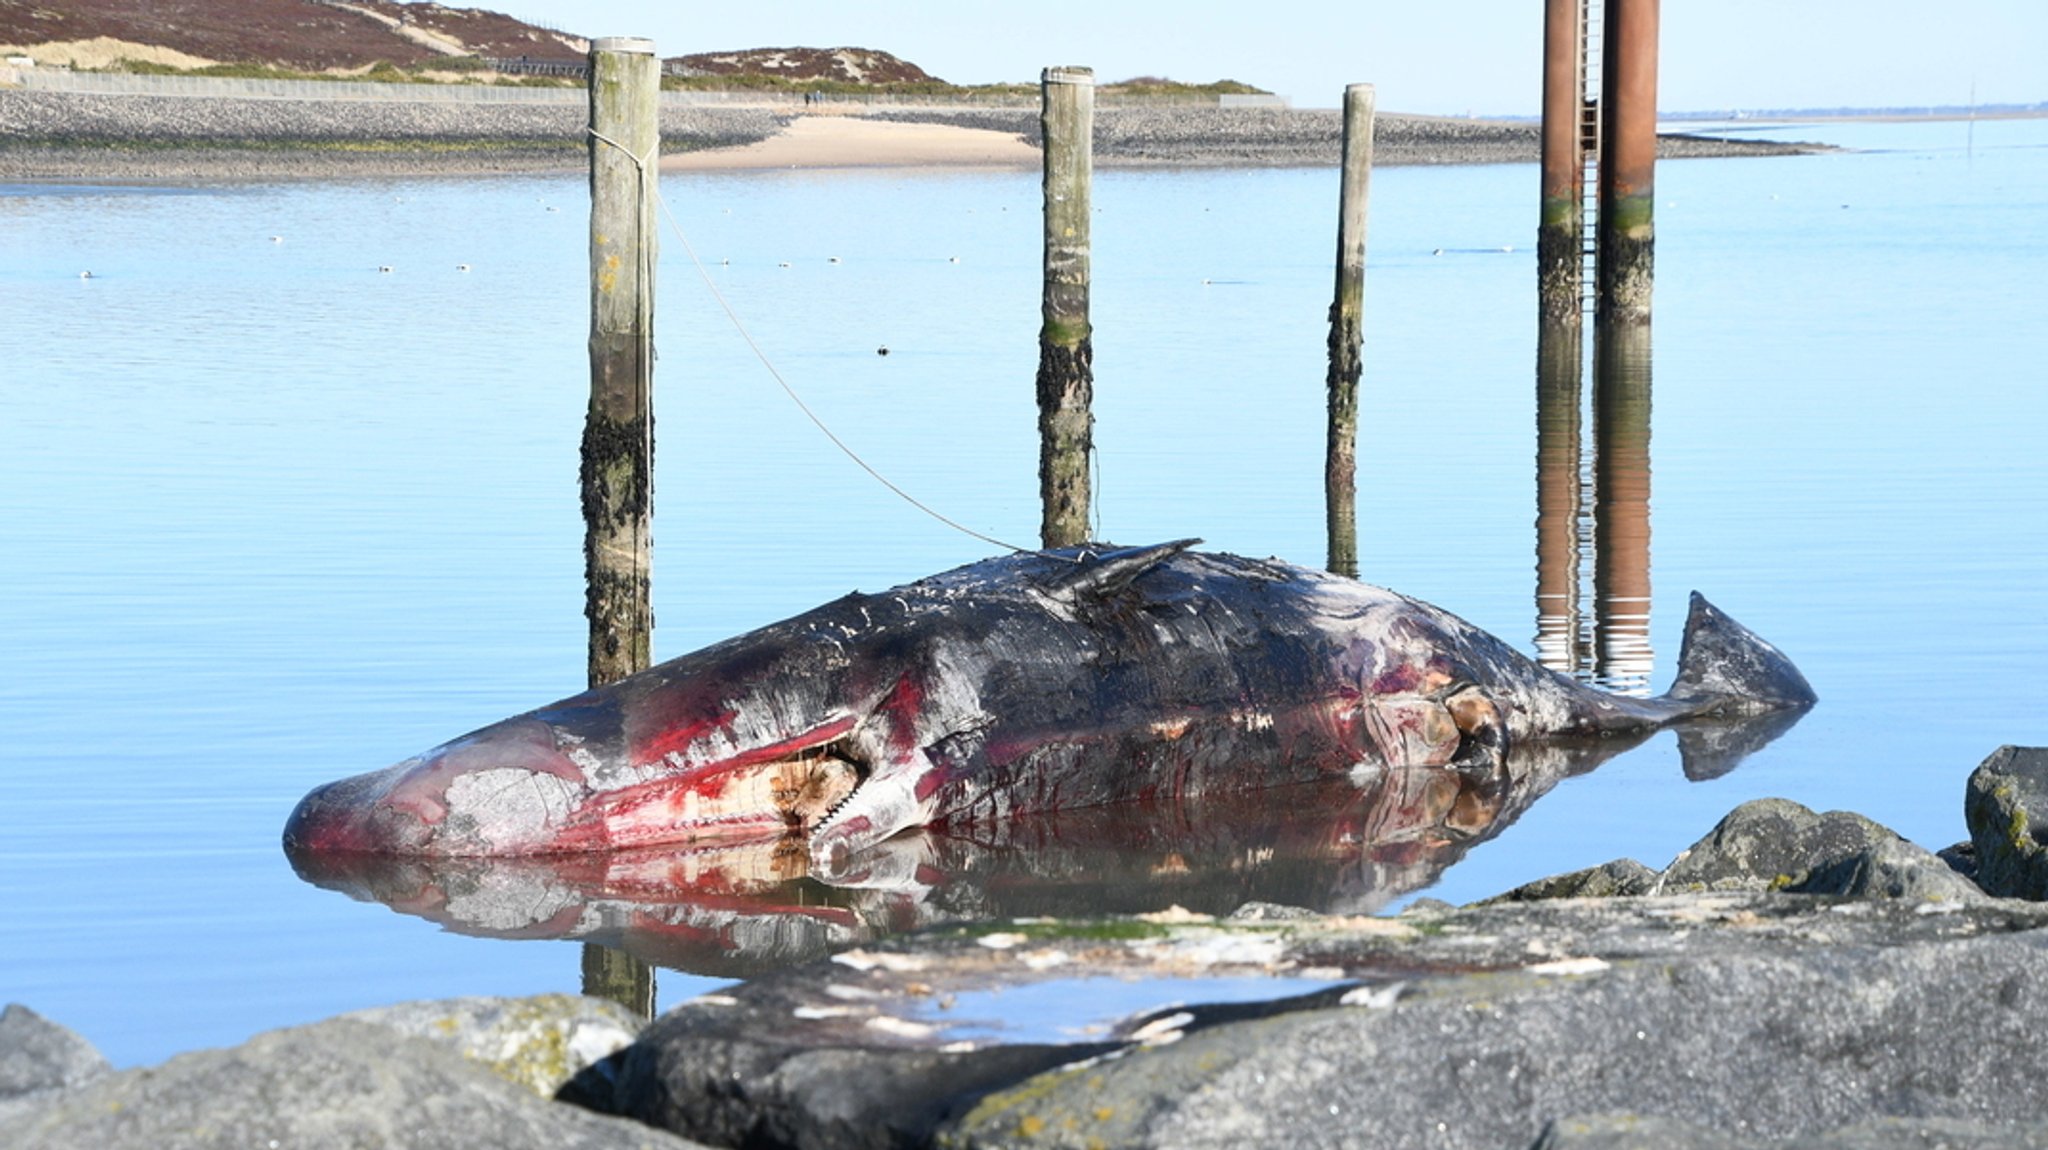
{"type": "Point", "coordinates": [1791, 980]}
{"type": "Point", "coordinates": [1196, 136]}
{"type": "Point", "coordinates": [72, 135]}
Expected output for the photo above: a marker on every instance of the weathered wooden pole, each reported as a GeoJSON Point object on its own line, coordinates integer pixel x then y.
{"type": "Point", "coordinates": [617, 470]}
{"type": "Point", "coordinates": [1347, 341]}
{"type": "Point", "coordinates": [1560, 233]}
{"type": "Point", "coordinates": [1628, 160]}
{"type": "Point", "coordinates": [618, 432]}
{"type": "Point", "coordinates": [1560, 375]}
{"type": "Point", "coordinates": [1066, 355]}
{"type": "Point", "coordinates": [1621, 505]}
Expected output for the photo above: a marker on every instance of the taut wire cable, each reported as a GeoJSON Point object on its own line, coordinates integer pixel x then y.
{"type": "Point", "coordinates": [740, 326]}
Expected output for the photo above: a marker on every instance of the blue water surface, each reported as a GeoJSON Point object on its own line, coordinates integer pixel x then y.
{"type": "Point", "coordinates": [270, 516]}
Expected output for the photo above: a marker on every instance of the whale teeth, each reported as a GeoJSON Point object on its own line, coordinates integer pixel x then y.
{"type": "Point", "coordinates": [833, 812]}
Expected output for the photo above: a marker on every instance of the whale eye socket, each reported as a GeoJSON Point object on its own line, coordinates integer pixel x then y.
{"type": "Point", "coordinates": [1483, 735]}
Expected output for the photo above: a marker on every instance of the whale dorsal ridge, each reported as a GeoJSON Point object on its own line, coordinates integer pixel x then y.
{"type": "Point", "coordinates": [1099, 574]}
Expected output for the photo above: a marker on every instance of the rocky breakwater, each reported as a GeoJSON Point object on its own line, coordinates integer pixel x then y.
{"type": "Point", "coordinates": [1193, 135]}
{"type": "Point", "coordinates": [423, 1076]}
{"type": "Point", "coordinates": [75, 135]}
{"type": "Point", "coordinates": [1792, 979]}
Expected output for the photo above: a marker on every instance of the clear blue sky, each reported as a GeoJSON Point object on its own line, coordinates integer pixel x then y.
{"type": "Point", "coordinates": [1449, 56]}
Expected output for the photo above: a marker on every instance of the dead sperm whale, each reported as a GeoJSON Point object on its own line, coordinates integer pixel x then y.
{"type": "Point", "coordinates": [1033, 682]}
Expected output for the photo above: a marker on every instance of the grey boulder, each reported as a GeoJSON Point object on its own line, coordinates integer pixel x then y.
{"type": "Point", "coordinates": [1756, 1022]}
{"type": "Point", "coordinates": [540, 1042]}
{"type": "Point", "coordinates": [38, 1058]}
{"type": "Point", "coordinates": [1776, 845]}
{"type": "Point", "coordinates": [737, 1078]}
{"type": "Point", "coordinates": [339, 1083]}
{"type": "Point", "coordinates": [1647, 1132]}
{"type": "Point", "coordinates": [1618, 879]}
{"type": "Point", "coordinates": [1755, 1016]}
{"type": "Point", "coordinates": [2006, 807]}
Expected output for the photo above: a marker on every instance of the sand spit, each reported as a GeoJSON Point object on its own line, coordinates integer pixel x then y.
{"type": "Point", "coordinates": [862, 142]}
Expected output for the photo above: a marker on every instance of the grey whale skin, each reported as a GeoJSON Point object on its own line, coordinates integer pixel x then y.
{"type": "Point", "coordinates": [1033, 682]}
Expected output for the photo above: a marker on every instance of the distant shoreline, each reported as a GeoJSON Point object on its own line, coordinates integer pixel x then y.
{"type": "Point", "coordinates": [50, 136]}
{"type": "Point", "coordinates": [1893, 116]}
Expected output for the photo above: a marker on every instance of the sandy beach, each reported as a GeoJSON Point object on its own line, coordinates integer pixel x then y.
{"type": "Point", "coordinates": [830, 141]}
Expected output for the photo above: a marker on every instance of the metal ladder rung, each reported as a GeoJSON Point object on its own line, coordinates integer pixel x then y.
{"type": "Point", "coordinates": [1592, 14]}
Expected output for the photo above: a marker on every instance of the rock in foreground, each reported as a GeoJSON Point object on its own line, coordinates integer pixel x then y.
{"type": "Point", "coordinates": [1756, 1016]}
{"type": "Point", "coordinates": [2007, 809]}
{"type": "Point", "coordinates": [1758, 1024]}
{"type": "Point", "coordinates": [1776, 845]}
{"type": "Point", "coordinates": [539, 1042]}
{"type": "Point", "coordinates": [1630, 1132]}
{"type": "Point", "coordinates": [338, 1083]}
{"type": "Point", "coordinates": [1793, 979]}
{"type": "Point", "coordinates": [38, 1058]}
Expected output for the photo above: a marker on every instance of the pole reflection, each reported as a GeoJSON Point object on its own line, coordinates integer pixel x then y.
{"type": "Point", "coordinates": [1593, 507]}
{"type": "Point", "coordinates": [1621, 507]}
{"type": "Point", "coordinates": [613, 974]}
{"type": "Point", "coordinates": [1560, 498]}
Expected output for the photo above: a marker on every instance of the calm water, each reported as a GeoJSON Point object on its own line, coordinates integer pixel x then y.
{"type": "Point", "coordinates": [269, 516]}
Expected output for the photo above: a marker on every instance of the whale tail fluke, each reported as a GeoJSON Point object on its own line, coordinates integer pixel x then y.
{"type": "Point", "coordinates": [1725, 668]}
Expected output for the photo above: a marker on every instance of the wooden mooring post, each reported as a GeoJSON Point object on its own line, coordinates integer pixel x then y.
{"type": "Point", "coordinates": [617, 466]}
{"type": "Point", "coordinates": [1628, 161]}
{"type": "Point", "coordinates": [1347, 341]}
{"type": "Point", "coordinates": [1066, 355]}
{"type": "Point", "coordinates": [1560, 234]}
{"type": "Point", "coordinates": [618, 432]}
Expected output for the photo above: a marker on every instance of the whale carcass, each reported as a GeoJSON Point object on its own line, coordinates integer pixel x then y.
{"type": "Point", "coordinates": [1034, 682]}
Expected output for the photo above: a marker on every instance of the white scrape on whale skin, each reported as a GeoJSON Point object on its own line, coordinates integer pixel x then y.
{"type": "Point", "coordinates": [507, 805]}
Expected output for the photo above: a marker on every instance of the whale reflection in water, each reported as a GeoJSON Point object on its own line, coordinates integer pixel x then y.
{"type": "Point", "coordinates": [1344, 846]}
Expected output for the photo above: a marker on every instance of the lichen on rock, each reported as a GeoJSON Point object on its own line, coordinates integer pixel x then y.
{"type": "Point", "coordinates": [2006, 807]}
